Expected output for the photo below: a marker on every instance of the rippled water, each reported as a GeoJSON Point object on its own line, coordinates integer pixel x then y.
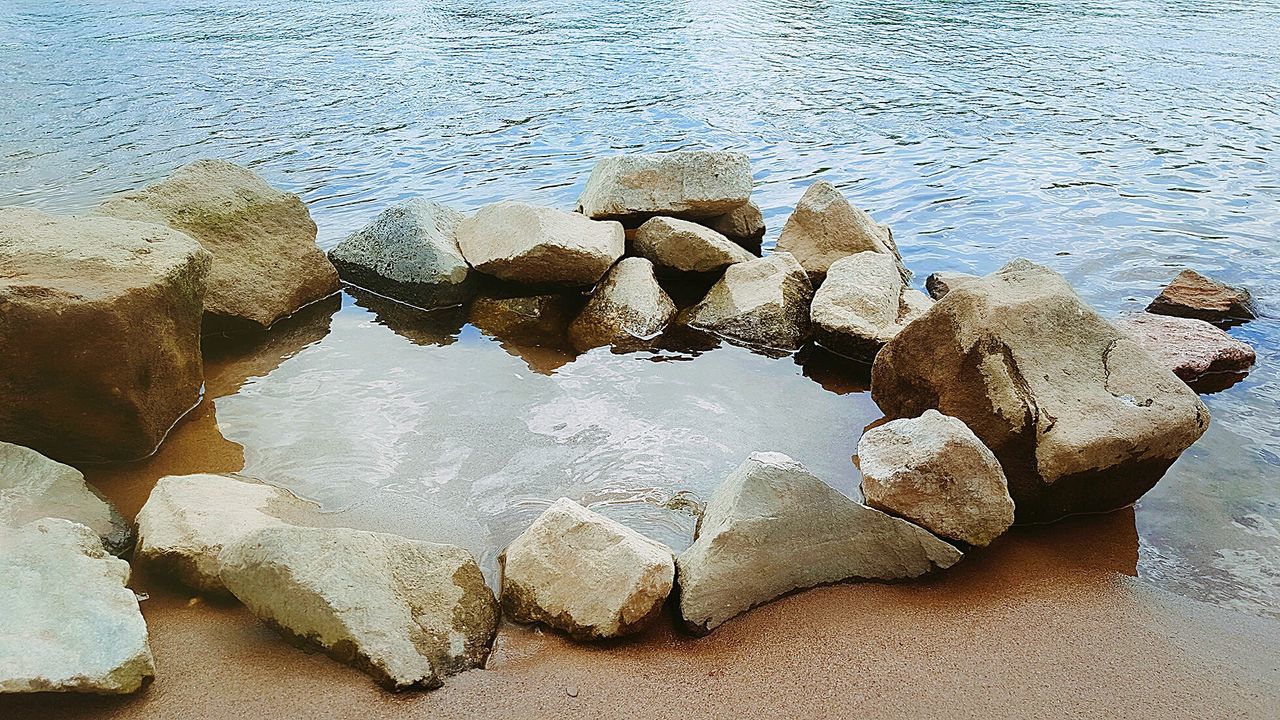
{"type": "Point", "coordinates": [1115, 141]}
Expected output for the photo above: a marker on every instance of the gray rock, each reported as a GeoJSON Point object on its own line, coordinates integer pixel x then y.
{"type": "Point", "coordinates": [743, 225]}
{"type": "Point", "coordinates": [33, 487]}
{"type": "Point", "coordinates": [763, 302]}
{"type": "Point", "coordinates": [628, 307]}
{"type": "Point", "coordinates": [686, 246]}
{"type": "Point", "coordinates": [535, 245]}
{"type": "Point", "coordinates": [690, 185]}
{"type": "Point", "coordinates": [824, 228]}
{"type": "Point", "coordinates": [940, 283]}
{"type": "Point", "coordinates": [1192, 349]}
{"type": "Point", "coordinates": [862, 305]}
{"type": "Point", "coordinates": [1193, 295]}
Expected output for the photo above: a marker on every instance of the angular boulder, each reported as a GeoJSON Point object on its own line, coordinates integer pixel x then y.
{"type": "Point", "coordinates": [68, 623]}
{"type": "Point", "coordinates": [763, 302]}
{"type": "Point", "coordinates": [409, 253]}
{"type": "Point", "coordinates": [1193, 295]}
{"type": "Point", "coordinates": [940, 283]}
{"type": "Point", "coordinates": [824, 228]}
{"type": "Point", "coordinates": [533, 245]}
{"type": "Point", "coordinates": [1081, 418]}
{"type": "Point", "coordinates": [743, 225]}
{"type": "Point", "coordinates": [628, 307]}
{"type": "Point", "coordinates": [265, 261]}
{"type": "Point", "coordinates": [933, 471]}
{"type": "Point", "coordinates": [773, 527]}
{"type": "Point", "coordinates": [100, 330]}
{"type": "Point", "coordinates": [584, 574]}
{"type": "Point", "coordinates": [686, 246]}
{"type": "Point", "coordinates": [1192, 349]}
{"type": "Point", "coordinates": [862, 305]}
{"type": "Point", "coordinates": [690, 184]}
{"type": "Point", "coordinates": [407, 612]}
{"type": "Point", "coordinates": [33, 487]}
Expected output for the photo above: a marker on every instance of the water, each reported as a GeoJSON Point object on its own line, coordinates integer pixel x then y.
{"type": "Point", "coordinates": [1115, 141]}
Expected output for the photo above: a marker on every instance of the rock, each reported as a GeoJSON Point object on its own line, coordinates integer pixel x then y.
{"type": "Point", "coordinates": [265, 261]}
{"type": "Point", "coordinates": [933, 471]}
{"type": "Point", "coordinates": [1081, 418]}
{"type": "Point", "coordinates": [409, 253]}
{"type": "Point", "coordinates": [407, 612]}
{"type": "Point", "coordinates": [686, 246]}
{"type": "Point", "coordinates": [1193, 295]}
{"type": "Point", "coordinates": [743, 225]}
{"type": "Point", "coordinates": [189, 519]}
{"type": "Point", "coordinates": [628, 307]}
{"type": "Point", "coordinates": [763, 302]}
{"type": "Point", "coordinates": [582, 573]}
{"type": "Point", "coordinates": [772, 527]}
{"type": "Point", "coordinates": [689, 185]}
{"type": "Point", "coordinates": [533, 245]}
{"type": "Point", "coordinates": [862, 305]}
{"type": "Point", "coordinates": [1190, 348]}
{"type": "Point", "coordinates": [100, 330]}
{"type": "Point", "coordinates": [527, 320]}
{"type": "Point", "coordinates": [824, 228]}
{"type": "Point", "coordinates": [940, 283]}
{"type": "Point", "coordinates": [68, 624]}
{"type": "Point", "coordinates": [32, 487]}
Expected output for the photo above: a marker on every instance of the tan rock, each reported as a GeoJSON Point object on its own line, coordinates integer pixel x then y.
{"type": "Point", "coordinates": [763, 302]}
{"type": "Point", "coordinates": [628, 307]}
{"type": "Point", "coordinates": [526, 320]}
{"type": "Point", "coordinates": [862, 305]}
{"type": "Point", "coordinates": [743, 225]}
{"type": "Point", "coordinates": [33, 487]}
{"type": "Point", "coordinates": [686, 246]}
{"type": "Point", "coordinates": [1193, 295]}
{"type": "Point", "coordinates": [690, 185]}
{"type": "Point", "coordinates": [1192, 349]}
{"type": "Point", "coordinates": [533, 245]}
{"type": "Point", "coordinates": [824, 228]}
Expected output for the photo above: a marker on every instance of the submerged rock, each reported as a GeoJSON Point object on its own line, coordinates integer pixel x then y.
{"type": "Point", "coordinates": [409, 613]}
{"type": "Point", "coordinates": [582, 573]}
{"type": "Point", "coordinates": [1193, 295]}
{"type": "Point", "coordinates": [933, 471]}
{"type": "Point", "coordinates": [409, 253]}
{"type": "Point", "coordinates": [1081, 418]}
{"type": "Point", "coordinates": [690, 184]}
{"type": "Point", "coordinates": [628, 307]}
{"type": "Point", "coordinates": [532, 245]}
{"type": "Point", "coordinates": [265, 261]}
{"type": "Point", "coordinates": [762, 302]}
{"type": "Point", "coordinates": [33, 487]}
{"type": "Point", "coordinates": [773, 527]}
{"type": "Point", "coordinates": [67, 621]}
{"type": "Point", "coordinates": [100, 330]}
{"type": "Point", "coordinates": [686, 246]}
{"type": "Point", "coordinates": [744, 224]}
{"type": "Point", "coordinates": [1191, 348]}
{"type": "Point", "coordinates": [940, 283]}
{"type": "Point", "coordinates": [862, 305]}
{"type": "Point", "coordinates": [526, 320]}
{"type": "Point", "coordinates": [824, 228]}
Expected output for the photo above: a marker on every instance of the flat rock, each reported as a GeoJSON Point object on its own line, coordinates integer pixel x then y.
{"type": "Point", "coordinates": [33, 487]}
{"type": "Point", "coordinates": [533, 245]}
{"type": "Point", "coordinates": [862, 305]}
{"type": "Point", "coordinates": [940, 283]}
{"type": "Point", "coordinates": [67, 621]}
{"type": "Point", "coordinates": [933, 471]}
{"type": "Point", "coordinates": [409, 253]}
{"type": "Point", "coordinates": [1190, 348]}
{"type": "Point", "coordinates": [1081, 418]}
{"type": "Point", "coordinates": [743, 225]}
{"type": "Point", "coordinates": [100, 326]}
{"type": "Point", "coordinates": [407, 612]}
{"type": "Point", "coordinates": [585, 574]}
{"type": "Point", "coordinates": [1193, 295]}
{"type": "Point", "coordinates": [691, 184]}
{"type": "Point", "coordinates": [825, 227]}
{"type": "Point", "coordinates": [686, 246]}
{"type": "Point", "coordinates": [628, 307]}
{"type": "Point", "coordinates": [265, 261]}
{"type": "Point", "coordinates": [763, 302]}
{"type": "Point", "coordinates": [773, 527]}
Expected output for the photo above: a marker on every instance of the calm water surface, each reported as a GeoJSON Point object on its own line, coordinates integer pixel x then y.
{"type": "Point", "coordinates": [1114, 141]}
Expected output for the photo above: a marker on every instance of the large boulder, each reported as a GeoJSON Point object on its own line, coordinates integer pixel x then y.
{"type": "Point", "coordinates": [265, 261]}
{"type": "Point", "coordinates": [68, 623]}
{"type": "Point", "coordinates": [862, 305]}
{"type": "Point", "coordinates": [1081, 418]}
{"type": "Point", "coordinates": [1193, 295]}
{"type": "Point", "coordinates": [686, 246]}
{"type": "Point", "coordinates": [409, 253]}
{"type": "Point", "coordinates": [188, 519]}
{"type": "Point", "coordinates": [691, 184]}
{"type": "Point", "coordinates": [824, 228]}
{"type": "Point", "coordinates": [773, 527]}
{"type": "Point", "coordinates": [584, 574]}
{"type": "Point", "coordinates": [933, 471]}
{"type": "Point", "coordinates": [1192, 349]}
{"type": "Point", "coordinates": [628, 307]}
{"type": "Point", "coordinates": [533, 245]}
{"type": "Point", "coordinates": [763, 302]}
{"type": "Point", "coordinates": [407, 612]}
{"type": "Point", "coordinates": [100, 330]}
{"type": "Point", "coordinates": [32, 487]}
{"type": "Point", "coordinates": [743, 225]}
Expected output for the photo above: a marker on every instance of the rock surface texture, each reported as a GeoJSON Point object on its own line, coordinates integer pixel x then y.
{"type": "Point", "coordinates": [940, 283]}
{"type": "Point", "coordinates": [533, 245]}
{"type": "Point", "coordinates": [686, 246]}
{"type": "Point", "coordinates": [933, 471]}
{"type": "Point", "coordinates": [1081, 418]}
{"type": "Point", "coordinates": [1191, 348]}
{"type": "Point", "coordinates": [33, 487]}
{"type": "Point", "coordinates": [824, 228]}
{"type": "Point", "coordinates": [584, 574]}
{"type": "Point", "coordinates": [67, 621]}
{"type": "Point", "coordinates": [409, 613]}
{"type": "Point", "coordinates": [763, 302]}
{"type": "Point", "coordinates": [862, 305]}
{"type": "Point", "coordinates": [410, 253]}
{"type": "Point", "coordinates": [1193, 295]}
{"type": "Point", "coordinates": [265, 261]}
{"type": "Point", "coordinates": [691, 185]}
{"type": "Point", "coordinates": [527, 320]}
{"type": "Point", "coordinates": [629, 307]}
{"type": "Point", "coordinates": [773, 527]}
{"type": "Point", "coordinates": [743, 225]}
{"type": "Point", "coordinates": [100, 330]}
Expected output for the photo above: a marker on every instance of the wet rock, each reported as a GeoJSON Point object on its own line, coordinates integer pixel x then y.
{"type": "Point", "coordinates": [763, 302]}
{"type": "Point", "coordinates": [409, 253]}
{"type": "Point", "coordinates": [525, 320]}
{"type": "Point", "coordinates": [743, 225]}
{"type": "Point", "coordinates": [1081, 418]}
{"type": "Point", "coordinates": [1191, 348]}
{"type": "Point", "coordinates": [933, 471]}
{"type": "Point", "coordinates": [409, 613]}
{"type": "Point", "coordinates": [628, 307]}
{"type": "Point", "coordinates": [584, 574]}
{"type": "Point", "coordinates": [862, 305]}
{"type": "Point", "coordinates": [32, 487]}
{"type": "Point", "coordinates": [265, 261]}
{"type": "Point", "coordinates": [773, 527]}
{"type": "Point", "coordinates": [67, 621]}
{"type": "Point", "coordinates": [533, 245]}
{"type": "Point", "coordinates": [690, 185]}
{"type": "Point", "coordinates": [824, 228]}
{"type": "Point", "coordinates": [940, 283]}
{"type": "Point", "coordinates": [100, 330]}
{"type": "Point", "coordinates": [686, 246]}
{"type": "Point", "coordinates": [1193, 295]}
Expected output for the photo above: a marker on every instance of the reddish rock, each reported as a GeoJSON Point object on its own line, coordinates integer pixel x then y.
{"type": "Point", "coordinates": [1190, 348]}
{"type": "Point", "coordinates": [1193, 295]}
